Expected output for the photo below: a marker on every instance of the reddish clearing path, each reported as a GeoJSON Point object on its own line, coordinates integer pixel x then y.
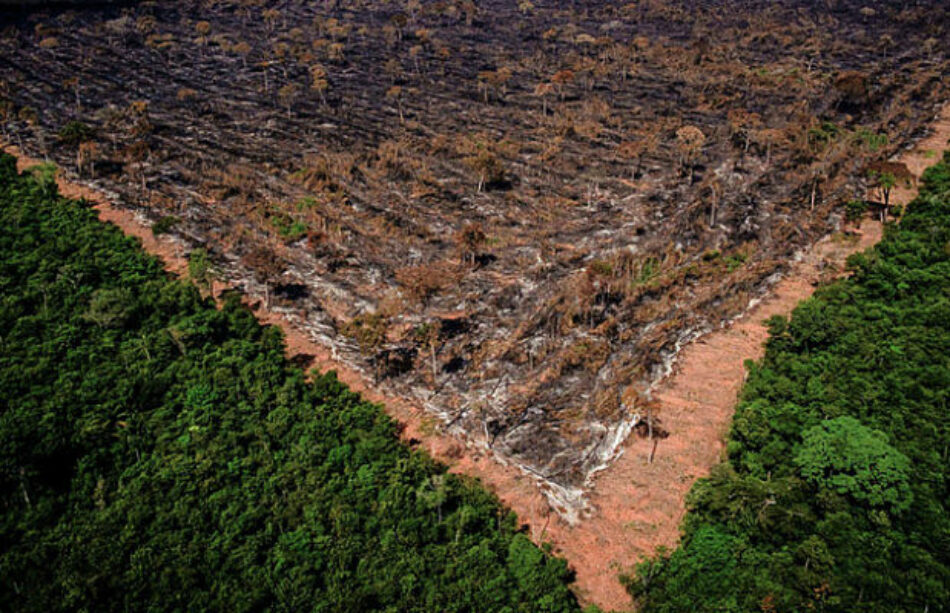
{"type": "Point", "coordinates": [637, 505]}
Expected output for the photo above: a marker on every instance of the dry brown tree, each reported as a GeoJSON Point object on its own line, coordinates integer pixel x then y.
{"type": "Point", "coordinates": [85, 156]}
{"type": "Point", "coordinates": [689, 143]}
{"type": "Point", "coordinates": [561, 79]}
{"type": "Point", "coordinates": [543, 90]}
{"type": "Point", "coordinates": [711, 192]}
{"type": "Point", "coordinates": [203, 29]}
{"type": "Point", "coordinates": [852, 88]}
{"type": "Point", "coordinates": [428, 335]}
{"type": "Point", "coordinates": [742, 124]}
{"type": "Point", "coordinates": [265, 266]}
{"type": "Point", "coordinates": [288, 95]}
{"type": "Point", "coordinates": [270, 17]}
{"type": "Point", "coordinates": [319, 82]}
{"type": "Point", "coordinates": [469, 241]}
{"type": "Point", "coordinates": [635, 150]}
{"type": "Point", "coordinates": [394, 94]}
{"type": "Point", "coordinates": [73, 83]}
{"type": "Point", "coordinates": [494, 82]}
{"type": "Point", "coordinates": [489, 168]}
{"type": "Point", "coordinates": [243, 49]}
{"type": "Point", "coordinates": [423, 281]}
{"type": "Point", "coordinates": [767, 138]}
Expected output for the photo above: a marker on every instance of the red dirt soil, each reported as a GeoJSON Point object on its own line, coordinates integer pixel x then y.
{"type": "Point", "coordinates": [637, 506]}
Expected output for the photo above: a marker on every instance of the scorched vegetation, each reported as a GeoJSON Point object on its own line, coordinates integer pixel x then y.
{"type": "Point", "coordinates": [513, 213]}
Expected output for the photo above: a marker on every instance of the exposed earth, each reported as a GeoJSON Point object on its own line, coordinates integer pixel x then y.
{"type": "Point", "coordinates": [512, 217]}
{"type": "Point", "coordinates": [505, 222]}
{"type": "Point", "coordinates": [639, 500]}
{"type": "Point", "coordinates": [538, 315]}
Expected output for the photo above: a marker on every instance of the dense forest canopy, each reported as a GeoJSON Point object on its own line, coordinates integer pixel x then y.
{"type": "Point", "coordinates": [157, 453]}
{"type": "Point", "coordinates": [834, 495]}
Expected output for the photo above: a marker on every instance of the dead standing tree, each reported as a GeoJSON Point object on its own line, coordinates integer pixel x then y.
{"type": "Point", "coordinates": [853, 90]}
{"type": "Point", "coordinates": [493, 83]}
{"type": "Point", "coordinates": [767, 138]}
{"type": "Point", "coordinates": [369, 330]}
{"type": "Point", "coordinates": [561, 80]}
{"type": "Point", "coordinates": [742, 125]}
{"type": "Point", "coordinates": [635, 150]}
{"type": "Point", "coordinates": [287, 96]}
{"type": "Point", "coordinates": [394, 94]}
{"type": "Point", "coordinates": [243, 49]}
{"type": "Point", "coordinates": [689, 143]}
{"type": "Point", "coordinates": [469, 241]}
{"type": "Point", "coordinates": [74, 83]}
{"type": "Point", "coordinates": [543, 90]}
{"type": "Point", "coordinates": [265, 265]}
{"type": "Point", "coordinates": [428, 335]}
{"type": "Point", "coordinates": [654, 435]}
{"type": "Point", "coordinates": [319, 82]}
{"type": "Point", "coordinates": [86, 156]}
{"type": "Point", "coordinates": [422, 282]}
{"type": "Point", "coordinates": [711, 192]}
{"type": "Point", "coordinates": [488, 167]}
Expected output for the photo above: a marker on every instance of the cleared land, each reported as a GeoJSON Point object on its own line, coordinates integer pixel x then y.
{"type": "Point", "coordinates": [513, 217]}
{"type": "Point", "coordinates": [505, 223]}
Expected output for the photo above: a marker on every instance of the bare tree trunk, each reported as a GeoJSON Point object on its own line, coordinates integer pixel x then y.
{"type": "Point", "coordinates": [148, 356]}
{"type": "Point", "coordinates": [650, 432]}
{"type": "Point", "coordinates": [26, 496]}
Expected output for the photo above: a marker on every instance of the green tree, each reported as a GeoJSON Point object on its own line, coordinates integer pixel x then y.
{"type": "Point", "coordinates": [201, 270]}
{"type": "Point", "coordinates": [885, 182]}
{"type": "Point", "coordinates": [844, 456]}
{"type": "Point", "coordinates": [108, 307]}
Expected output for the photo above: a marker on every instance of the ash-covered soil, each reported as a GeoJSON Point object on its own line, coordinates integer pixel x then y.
{"type": "Point", "coordinates": [514, 214]}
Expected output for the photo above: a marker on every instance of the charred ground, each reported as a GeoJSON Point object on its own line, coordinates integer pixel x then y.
{"type": "Point", "coordinates": [514, 214]}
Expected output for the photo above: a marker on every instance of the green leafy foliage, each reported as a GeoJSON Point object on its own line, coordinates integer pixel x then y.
{"type": "Point", "coordinates": [854, 210]}
{"type": "Point", "coordinates": [834, 495]}
{"type": "Point", "coordinates": [200, 269]}
{"type": "Point", "coordinates": [157, 453]}
{"type": "Point", "coordinates": [75, 132]}
{"type": "Point", "coordinates": [873, 141]}
{"type": "Point", "coordinates": [164, 225]}
{"type": "Point", "coordinates": [843, 456]}
{"type": "Point", "coordinates": [289, 229]}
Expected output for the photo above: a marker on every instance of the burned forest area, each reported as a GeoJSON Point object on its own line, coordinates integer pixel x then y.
{"type": "Point", "coordinates": [512, 214]}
